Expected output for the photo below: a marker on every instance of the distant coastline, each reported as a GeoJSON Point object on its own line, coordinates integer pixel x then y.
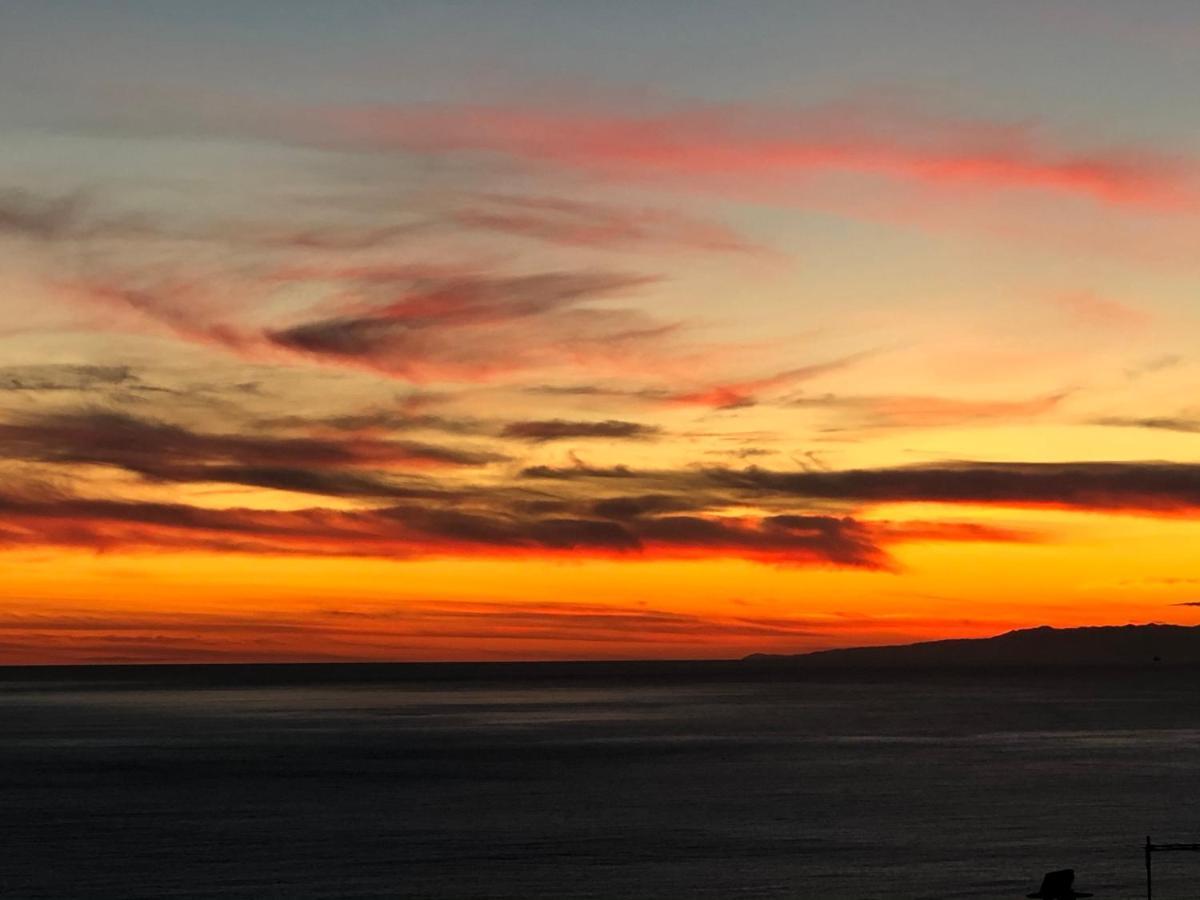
{"type": "Point", "coordinates": [1148, 645]}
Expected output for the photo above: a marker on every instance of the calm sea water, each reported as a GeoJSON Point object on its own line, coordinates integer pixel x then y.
{"type": "Point", "coordinates": [600, 782]}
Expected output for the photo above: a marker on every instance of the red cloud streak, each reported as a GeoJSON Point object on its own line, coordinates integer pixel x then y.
{"type": "Point", "coordinates": [769, 146]}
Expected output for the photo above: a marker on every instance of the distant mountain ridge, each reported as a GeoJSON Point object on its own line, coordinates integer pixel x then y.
{"type": "Point", "coordinates": [1103, 645]}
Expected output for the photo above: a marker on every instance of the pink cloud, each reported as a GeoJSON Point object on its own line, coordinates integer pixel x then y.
{"type": "Point", "coordinates": [709, 146]}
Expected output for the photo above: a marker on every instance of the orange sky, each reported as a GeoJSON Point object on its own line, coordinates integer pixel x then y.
{"type": "Point", "coordinates": [524, 355]}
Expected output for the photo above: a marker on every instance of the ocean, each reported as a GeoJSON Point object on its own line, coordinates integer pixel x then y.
{"type": "Point", "coordinates": [704, 780]}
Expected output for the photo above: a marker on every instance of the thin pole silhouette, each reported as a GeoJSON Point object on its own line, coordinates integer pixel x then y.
{"type": "Point", "coordinates": [1159, 848]}
{"type": "Point", "coordinates": [1149, 876]}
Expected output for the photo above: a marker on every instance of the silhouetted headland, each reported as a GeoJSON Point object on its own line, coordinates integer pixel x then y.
{"type": "Point", "coordinates": [1115, 645]}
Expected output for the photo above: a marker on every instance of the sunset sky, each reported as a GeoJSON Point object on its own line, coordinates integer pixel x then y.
{"type": "Point", "coordinates": [552, 330]}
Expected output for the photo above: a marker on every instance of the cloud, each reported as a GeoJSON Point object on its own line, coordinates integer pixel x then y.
{"type": "Point", "coordinates": [921, 531]}
{"type": "Point", "coordinates": [416, 322]}
{"type": "Point", "coordinates": [722, 395]}
{"type": "Point", "coordinates": [427, 301]}
{"type": "Point", "coordinates": [64, 377]}
{"type": "Point", "coordinates": [541, 431]}
{"type": "Point", "coordinates": [792, 538]}
{"type": "Point", "coordinates": [1136, 488]}
{"type": "Point", "coordinates": [706, 147]}
{"type": "Point", "coordinates": [181, 306]}
{"type": "Point", "coordinates": [303, 481]}
{"type": "Point", "coordinates": [632, 507]}
{"type": "Point", "coordinates": [166, 452]}
{"type": "Point", "coordinates": [376, 421]}
{"type": "Point", "coordinates": [546, 219]}
{"type": "Point", "coordinates": [1154, 364]}
{"type": "Point", "coordinates": [409, 530]}
{"type": "Point", "coordinates": [476, 328]}
{"type": "Point", "coordinates": [79, 216]}
{"type": "Point", "coordinates": [581, 511]}
{"type": "Point", "coordinates": [39, 217]}
{"type": "Point", "coordinates": [412, 323]}
{"type": "Point", "coordinates": [739, 394]}
{"type": "Point", "coordinates": [563, 221]}
{"type": "Point", "coordinates": [905, 411]}
{"type": "Point", "coordinates": [1145, 488]}
{"type": "Point", "coordinates": [29, 215]}
{"type": "Point", "coordinates": [1186, 424]}
{"type": "Point", "coordinates": [578, 471]}
{"type": "Point", "coordinates": [128, 525]}
{"type": "Point", "coordinates": [71, 217]}
{"type": "Point", "coordinates": [333, 238]}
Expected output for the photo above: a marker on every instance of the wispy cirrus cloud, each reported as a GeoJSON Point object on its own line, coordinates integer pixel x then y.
{"type": "Point", "coordinates": [81, 216]}
{"type": "Point", "coordinates": [413, 324]}
{"type": "Point", "coordinates": [728, 394]}
{"type": "Point", "coordinates": [182, 306]}
{"type": "Point", "coordinates": [905, 411]}
{"type": "Point", "coordinates": [474, 328]}
{"type": "Point", "coordinates": [711, 146]}
{"type": "Point", "coordinates": [588, 224]}
{"type": "Point", "coordinates": [228, 286]}
{"type": "Point", "coordinates": [742, 393]}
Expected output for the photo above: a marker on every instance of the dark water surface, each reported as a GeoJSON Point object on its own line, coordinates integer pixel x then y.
{"type": "Point", "coordinates": [602, 782]}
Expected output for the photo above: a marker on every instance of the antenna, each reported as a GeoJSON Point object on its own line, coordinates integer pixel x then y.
{"type": "Point", "coordinates": [1152, 848]}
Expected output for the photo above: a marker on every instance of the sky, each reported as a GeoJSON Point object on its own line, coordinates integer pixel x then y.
{"type": "Point", "coordinates": [540, 330]}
